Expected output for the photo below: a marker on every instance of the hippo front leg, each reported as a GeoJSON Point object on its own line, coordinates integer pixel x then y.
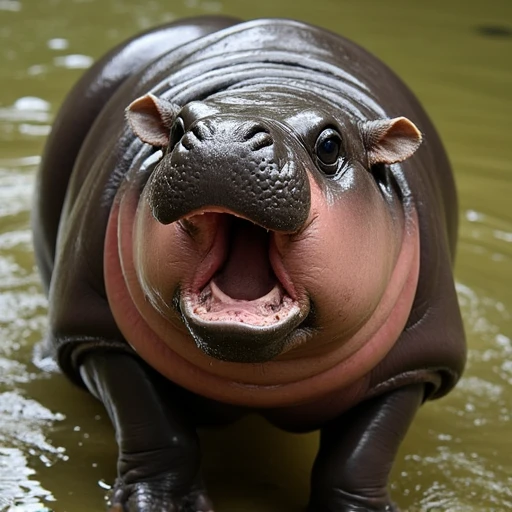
{"type": "Point", "coordinates": [159, 458]}
{"type": "Point", "coordinates": [357, 451]}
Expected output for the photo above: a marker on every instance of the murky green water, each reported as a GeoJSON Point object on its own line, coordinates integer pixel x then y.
{"type": "Point", "coordinates": [56, 444]}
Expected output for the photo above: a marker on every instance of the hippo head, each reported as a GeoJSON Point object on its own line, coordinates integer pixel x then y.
{"type": "Point", "coordinates": [270, 229]}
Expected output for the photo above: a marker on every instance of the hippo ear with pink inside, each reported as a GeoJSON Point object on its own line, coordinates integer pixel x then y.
{"type": "Point", "coordinates": [151, 119]}
{"type": "Point", "coordinates": [388, 141]}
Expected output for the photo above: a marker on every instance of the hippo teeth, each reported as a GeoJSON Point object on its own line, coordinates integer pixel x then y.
{"type": "Point", "coordinates": [272, 299]}
{"type": "Point", "coordinates": [215, 305]}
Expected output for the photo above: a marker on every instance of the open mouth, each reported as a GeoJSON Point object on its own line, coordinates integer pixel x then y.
{"type": "Point", "coordinates": [242, 298]}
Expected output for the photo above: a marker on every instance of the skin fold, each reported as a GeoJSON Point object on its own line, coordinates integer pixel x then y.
{"type": "Point", "coordinates": [259, 216]}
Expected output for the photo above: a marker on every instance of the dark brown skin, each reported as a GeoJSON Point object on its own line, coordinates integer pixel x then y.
{"type": "Point", "coordinates": [271, 227]}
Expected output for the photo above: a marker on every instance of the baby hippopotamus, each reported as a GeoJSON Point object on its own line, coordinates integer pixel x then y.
{"type": "Point", "coordinates": [249, 216]}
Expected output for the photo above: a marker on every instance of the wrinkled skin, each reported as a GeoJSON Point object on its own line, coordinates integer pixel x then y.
{"type": "Point", "coordinates": [249, 216]}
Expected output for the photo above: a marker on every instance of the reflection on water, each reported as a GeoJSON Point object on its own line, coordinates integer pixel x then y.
{"type": "Point", "coordinates": [22, 436]}
{"type": "Point", "coordinates": [27, 116]}
{"type": "Point", "coordinates": [74, 61]}
{"type": "Point", "coordinates": [56, 445]}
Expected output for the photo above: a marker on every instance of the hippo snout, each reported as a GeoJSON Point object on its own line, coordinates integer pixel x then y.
{"type": "Point", "coordinates": [244, 166]}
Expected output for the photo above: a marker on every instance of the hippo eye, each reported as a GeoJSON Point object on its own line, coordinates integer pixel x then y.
{"type": "Point", "coordinates": [328, 150]}
{"type": "Point", "coordinates": [177, 132]}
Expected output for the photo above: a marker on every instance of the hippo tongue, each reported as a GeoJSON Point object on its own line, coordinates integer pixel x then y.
{"type": "Point", "coordinates": [246, 273]}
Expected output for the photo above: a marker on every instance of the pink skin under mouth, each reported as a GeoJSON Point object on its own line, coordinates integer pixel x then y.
{"type": "Point", "coordinates": [274, 384]}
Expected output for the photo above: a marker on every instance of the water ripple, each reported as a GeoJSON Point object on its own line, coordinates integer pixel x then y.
{"type": "Point", "coordinates": [74, 61]}
{"type": "Point", "coordinates": [15, 194]}
{"type": "Point", "coordinates": [10, 5]}
{"type": "Point", "coordinates": [22, 425]}
{"type": "Point", "coordinates": [486, 235]}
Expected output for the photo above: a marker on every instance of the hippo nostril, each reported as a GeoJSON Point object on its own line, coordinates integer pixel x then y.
{"type": "Point", "coordinates": [257, 136]}
{"type": "Point", "coordinates": [253, 129]}
{"type": "Point", "coordinates": [203, 130]}
{"type": "Point", "coordinates": [200, 131]}
{"type": "Point", "coordinates": [261, 140]}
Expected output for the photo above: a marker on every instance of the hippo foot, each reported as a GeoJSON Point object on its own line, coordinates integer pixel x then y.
{"type": "Point", "coordinates": [352, 507]}
{"type": "Point", "coordinates": [346, 502]}
{"type": "Point", "coordinates": [157, 495]}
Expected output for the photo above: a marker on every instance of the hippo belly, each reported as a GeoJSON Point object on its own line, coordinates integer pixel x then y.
{"type": "Point", "coordinates": [263, 214]}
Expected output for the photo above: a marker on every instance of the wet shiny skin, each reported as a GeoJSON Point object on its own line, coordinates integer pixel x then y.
{"type": "Point", "coordinates": [457, 444]}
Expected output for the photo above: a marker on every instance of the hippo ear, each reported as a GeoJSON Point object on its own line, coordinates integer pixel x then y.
{"type": "Point", "coordinates": [388, 141]}
{"type": "Point", "coordinates": [151, 119]}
